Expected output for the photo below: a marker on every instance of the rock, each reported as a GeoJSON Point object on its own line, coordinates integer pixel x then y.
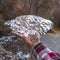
{"type": "Point", "coordinates": [4, 30]}
{"type": "Point", "coordinates": [15, 48]}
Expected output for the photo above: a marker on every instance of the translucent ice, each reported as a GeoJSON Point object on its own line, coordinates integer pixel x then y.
{"type": "Point", "coordinates": [30, 24]}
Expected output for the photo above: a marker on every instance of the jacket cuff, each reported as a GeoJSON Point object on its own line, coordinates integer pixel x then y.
{"type": "Point", "coordinates": [39, 47]}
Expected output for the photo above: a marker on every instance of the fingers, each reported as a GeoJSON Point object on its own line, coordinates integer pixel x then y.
{"type": "Point", "coordinates": [20, 35]}
{"type": "Point", "coordinates": [31, 39]}
{"type": "Point", "coordinates": [27, 39]}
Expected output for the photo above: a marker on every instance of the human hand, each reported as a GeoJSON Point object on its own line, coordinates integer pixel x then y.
{"type": "Point", "coordinates": [30, 39]}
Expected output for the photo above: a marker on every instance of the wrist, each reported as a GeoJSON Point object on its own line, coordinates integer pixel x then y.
{"type": "Point", "coordinates": [36, 44]}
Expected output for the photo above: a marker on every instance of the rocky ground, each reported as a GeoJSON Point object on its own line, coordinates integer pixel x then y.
{"type": "Point", "coordinates": [13, 48]}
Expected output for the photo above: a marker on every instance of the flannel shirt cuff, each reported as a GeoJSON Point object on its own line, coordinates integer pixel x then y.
{"type": "Point", "coordinates": [43, 52]}
{"type": "Point", "coordinates": [39, 47]}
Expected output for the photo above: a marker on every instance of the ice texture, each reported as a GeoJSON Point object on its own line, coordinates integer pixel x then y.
{"type": "Point", "coordinates": [30, 24]}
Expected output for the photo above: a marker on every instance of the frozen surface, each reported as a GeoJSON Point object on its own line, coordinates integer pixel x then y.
{"type": "Point", "coordinates": [30, 24]}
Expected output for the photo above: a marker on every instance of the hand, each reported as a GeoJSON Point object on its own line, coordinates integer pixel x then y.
{"type": "Point", "coordinates": [31, 39]}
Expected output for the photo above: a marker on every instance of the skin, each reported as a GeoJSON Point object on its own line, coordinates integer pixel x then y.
{"type": "Point", "coordinates": [31, 39]}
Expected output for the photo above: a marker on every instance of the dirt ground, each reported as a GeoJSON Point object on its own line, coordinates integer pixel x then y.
{"type": "Point", "coordinates": [52, 41]}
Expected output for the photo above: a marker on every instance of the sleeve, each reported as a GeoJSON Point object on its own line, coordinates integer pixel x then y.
{"type": "Point", "coordinates": [42, 52]}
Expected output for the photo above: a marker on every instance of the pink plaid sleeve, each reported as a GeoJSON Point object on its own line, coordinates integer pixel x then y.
{"type": "Point", "coordinates": [44, 53]}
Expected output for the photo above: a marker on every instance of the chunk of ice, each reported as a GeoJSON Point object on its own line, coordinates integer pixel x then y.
{"type": "Point", "coordinates": [28, 24]}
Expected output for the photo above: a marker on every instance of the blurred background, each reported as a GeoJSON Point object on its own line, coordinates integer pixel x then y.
{"type": "Point", "coordinates": [10, 9]}
{"type": "Point", "coordinates": [49, 9]}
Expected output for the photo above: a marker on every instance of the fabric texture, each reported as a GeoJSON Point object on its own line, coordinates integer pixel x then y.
{"type": "Point", "coordinates": [44, 53]}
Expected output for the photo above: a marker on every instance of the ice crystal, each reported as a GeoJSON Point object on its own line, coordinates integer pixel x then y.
{"type": "Point", "coordinates": [30, 24]}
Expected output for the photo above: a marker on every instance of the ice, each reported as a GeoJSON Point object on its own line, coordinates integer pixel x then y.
{"type": "Point", "coordinates": [30, 24]}
{"type": "Point", "coordinates": [21, 55]}
{"type": "Point", "coordinates": [27, 56]}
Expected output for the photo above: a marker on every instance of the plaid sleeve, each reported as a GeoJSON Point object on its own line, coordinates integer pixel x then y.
{"type": "Point", "coordinates": [44, 53]}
